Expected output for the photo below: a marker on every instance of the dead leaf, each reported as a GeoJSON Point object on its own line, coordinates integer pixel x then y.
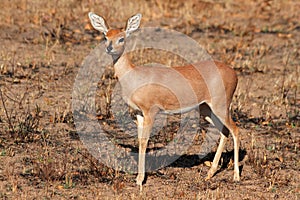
{"type": "Point", "coordinates": [208, 163]}
{"type": "Point", "coordinates": [265, 123]}
{"type": "Point", "coordinates": [60, 187]}
{"type": "Point", "coordinates": [282, 35]}
{"type": "Point", "coordinates": [88, 27]}
{"type": "Point", "coordinates": [77, 31]}
{"type": "Point", "coordinates": [265, 159]}
{"type": "Point", "coordinates": [230, 164]}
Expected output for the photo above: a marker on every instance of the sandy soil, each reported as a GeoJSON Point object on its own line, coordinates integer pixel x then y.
{"type": "Point", "coordinates": [43, 45]}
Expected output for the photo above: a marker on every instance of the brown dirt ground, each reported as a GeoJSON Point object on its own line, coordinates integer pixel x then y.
{"type": "Point", "coordinates": [42, 46]}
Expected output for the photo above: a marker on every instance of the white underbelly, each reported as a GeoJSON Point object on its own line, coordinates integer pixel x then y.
{"type": "Point", "coordinates": [169, 112]}
{"type": "Point", "coordinates": [181, 110]}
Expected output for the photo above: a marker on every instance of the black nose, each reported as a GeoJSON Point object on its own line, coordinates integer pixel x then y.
{"type": "Point", "coordinates": [109, 48]}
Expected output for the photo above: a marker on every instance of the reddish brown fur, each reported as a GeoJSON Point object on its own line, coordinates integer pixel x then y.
{"type": "Point", "coordinates": [113, 32]}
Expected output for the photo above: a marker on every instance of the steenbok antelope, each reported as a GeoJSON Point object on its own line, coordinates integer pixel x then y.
{"type": "Point", "coordinates": [212, 83]}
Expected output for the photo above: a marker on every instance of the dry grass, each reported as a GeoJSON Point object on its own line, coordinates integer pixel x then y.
{"type": "Point", "coordinates": [43, 45]}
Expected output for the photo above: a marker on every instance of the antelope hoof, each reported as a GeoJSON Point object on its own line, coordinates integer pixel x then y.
{"type": "Point", "coordinates": [139, 180]}
{"type": "Point", "coordinates": [210, 173]}
{"type": "Point", "coordinates": [208, 177]}
{"type": "Point", "coordinates": [236, 177]}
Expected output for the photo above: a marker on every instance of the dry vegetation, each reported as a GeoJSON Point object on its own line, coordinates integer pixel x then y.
{"type": "Point", "coordinates": [42, 46]}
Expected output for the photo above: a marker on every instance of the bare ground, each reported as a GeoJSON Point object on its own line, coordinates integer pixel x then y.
{"type": "Point", "coordinates": [42, 47]}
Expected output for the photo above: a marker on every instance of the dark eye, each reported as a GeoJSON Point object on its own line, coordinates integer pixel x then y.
{"type": "Point", "coordinates": [121, 40]}
{"type": "Point", "coordinates": [105, 39]}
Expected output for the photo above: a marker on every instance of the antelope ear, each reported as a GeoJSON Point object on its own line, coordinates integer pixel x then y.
{"type": "Point", "coordinates": [133, 23]}
{"type": "Point", "coordinates": [98, 23]}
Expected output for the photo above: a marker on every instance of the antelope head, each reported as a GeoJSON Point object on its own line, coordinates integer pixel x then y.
{"type": "Point", "coordinates": [115, 39]}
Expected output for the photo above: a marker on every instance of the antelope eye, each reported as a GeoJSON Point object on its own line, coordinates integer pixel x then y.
{"type": "Point", "coordinates": [121, 40]}
{"type": "Point", "coordinates": [105, 39]}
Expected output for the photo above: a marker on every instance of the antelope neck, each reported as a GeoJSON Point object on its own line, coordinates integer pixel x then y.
{"type": "Point", "coordinates": [115, 58]}
{"type": "Point", "coordinates": [122, 65]}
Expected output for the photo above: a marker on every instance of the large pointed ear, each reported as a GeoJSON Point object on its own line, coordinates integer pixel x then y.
{"type": "Point", "coordinates": [133, 23]}
{"type": "Point", "coordinates": [98, 23]}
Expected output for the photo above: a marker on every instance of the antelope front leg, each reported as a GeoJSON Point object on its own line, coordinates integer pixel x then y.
{"type": "Point", "coordinates": [143, 136]}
